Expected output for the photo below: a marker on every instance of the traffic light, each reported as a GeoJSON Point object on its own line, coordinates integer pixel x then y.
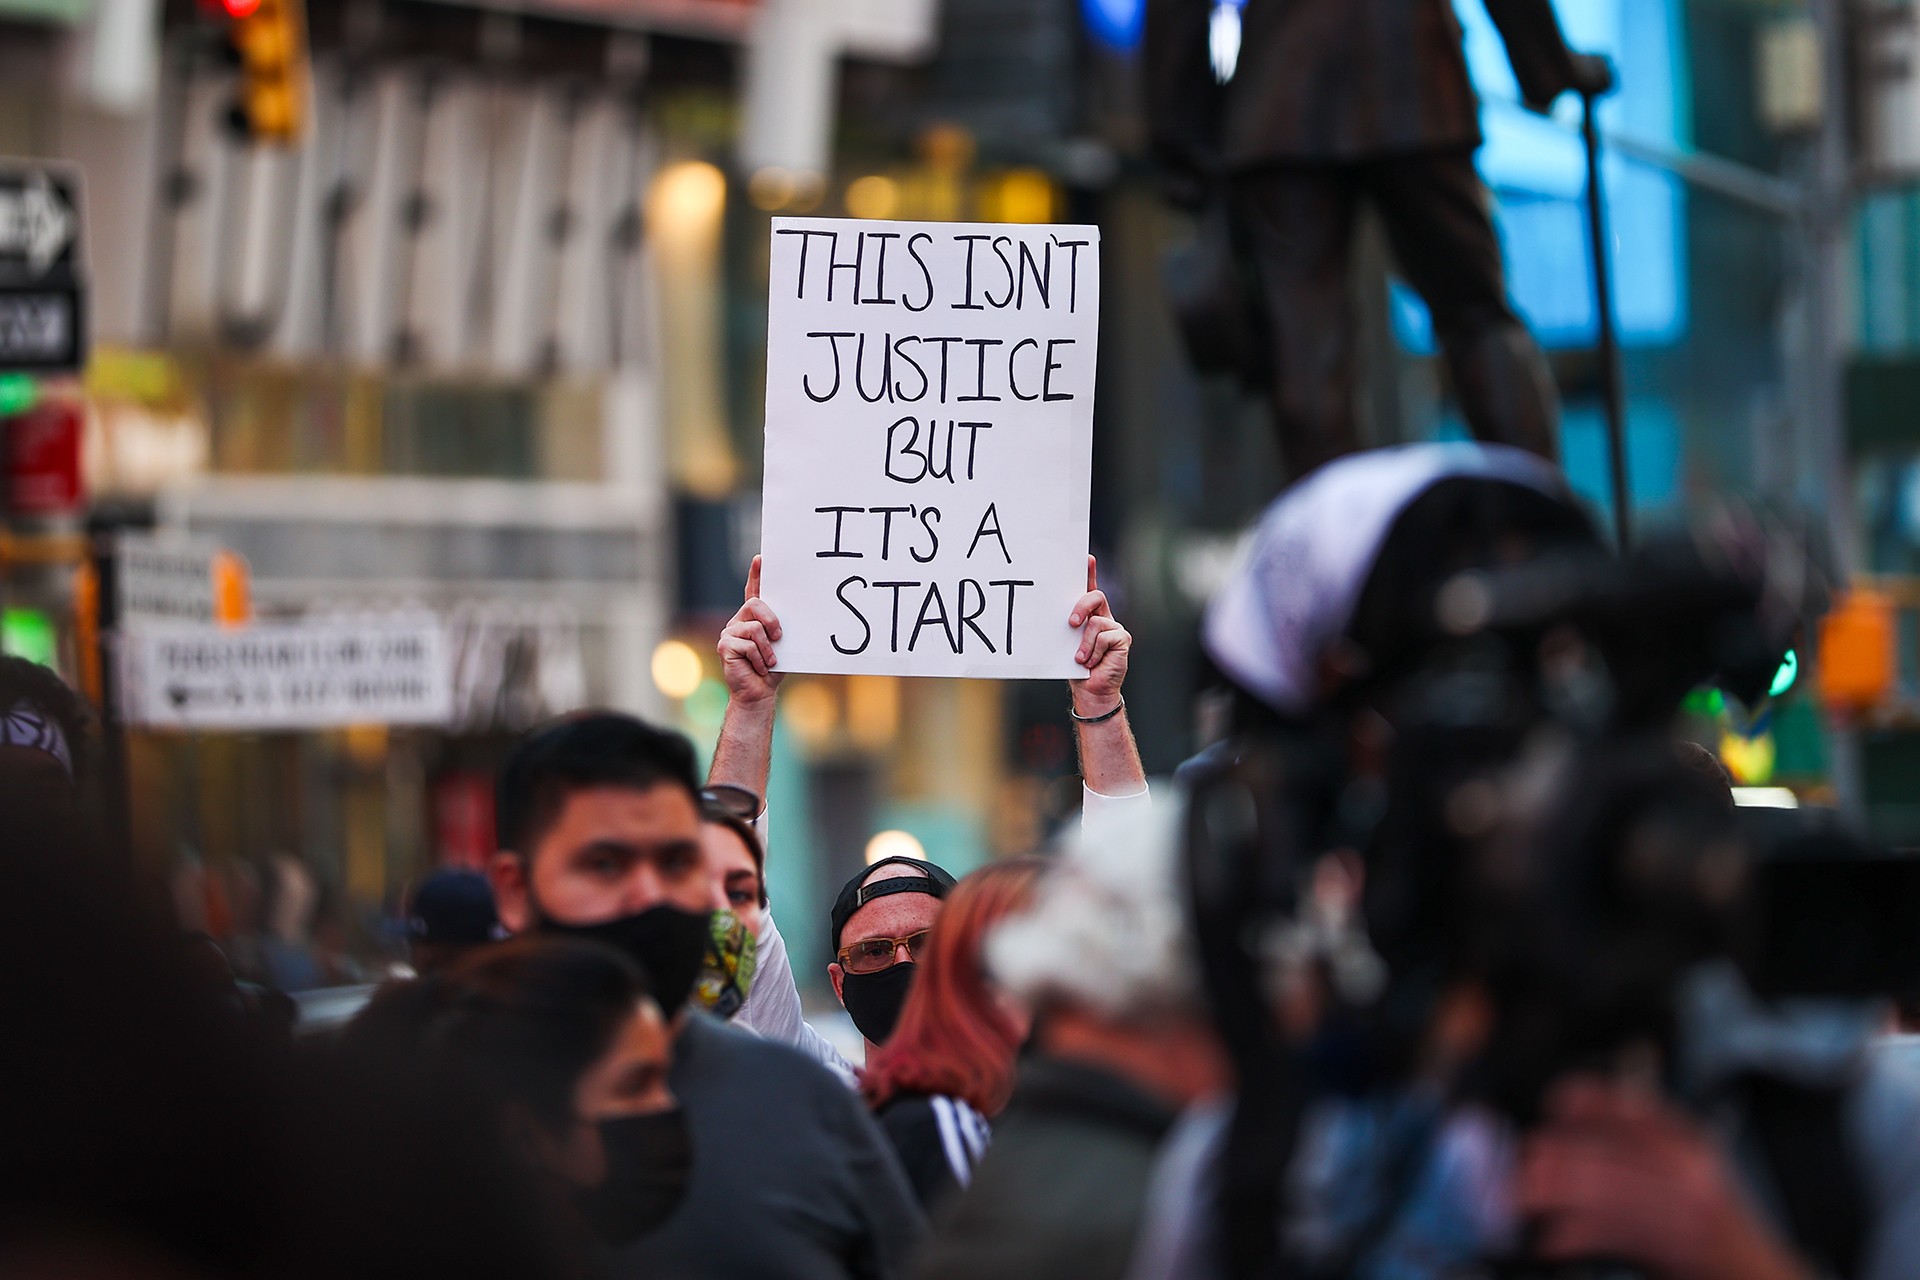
{"type": "Point", "coordinates": [18, 393]}
{"type": "Point", "coordinates": [269, 41]}
{"type": "Point", "coordinates": [1857, 662]}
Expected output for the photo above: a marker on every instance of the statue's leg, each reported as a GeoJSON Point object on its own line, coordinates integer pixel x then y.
{"type": "Point", "coordinates": [1298, 221]}
{"type": "Point", "coordinates": [1439, 221]}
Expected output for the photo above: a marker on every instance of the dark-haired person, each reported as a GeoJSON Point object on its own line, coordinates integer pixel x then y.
{"type": "Point", "coordinates": [732, 841]}
{"type": "Point", "coordinates": [599, 823]}
{"type": "Point", "coordinates": [563, 1040]}
{"type": "Point", "coordinates": [738, 860]}
{"type": "Point", "coordinates": [150, 1133]}
{"type": "Point", "coordinates": [43, 725]}
{"type": "Point", "coordinates": [451, 913]}
{"type": "Point", "coordinates": [947, 1069]}
{"type": "Point", "coordinates": [1114, 782]}
{"type": "Point", "coordinates": [734, 848]}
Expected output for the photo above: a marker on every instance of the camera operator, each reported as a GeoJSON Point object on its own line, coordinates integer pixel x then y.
{"type": "Point", "coordinates": [1464, 1030]}
{"type": "Point", "coordinates": [1618, 1171]}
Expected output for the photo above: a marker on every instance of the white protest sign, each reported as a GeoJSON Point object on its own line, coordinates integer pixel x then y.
{"type": "Point", "coordinates": [289, 675]}
{"type": "Point", "coordinates": [929, 445]}
{"type": "Point", "coordinates": [165, 579]}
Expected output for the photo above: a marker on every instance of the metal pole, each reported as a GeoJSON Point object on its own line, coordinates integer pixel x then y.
{"type": "Point", "coordinates": [176, 187]}
{"type": "Point", "coordinates": [1608, 341]}
{"type": "Point", "coordinates": [1824, 426]}
{"type": "Point", "coordinates": [116, 779]}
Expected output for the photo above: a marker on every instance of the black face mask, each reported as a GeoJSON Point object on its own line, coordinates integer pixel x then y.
{"type": "Point", "coordinates": [874, 1000]}
{"type": "Point", "coordinates": [649, 1164]}
{"type": "Point", "coordinates": [669, 944]}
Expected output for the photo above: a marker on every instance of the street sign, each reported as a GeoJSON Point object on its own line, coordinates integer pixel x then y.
{"type": "Point", "coordinates": [38, 223]}
{"type": "Point", "coordinates": [42, 329]}
{"type": "Point", "coordinates": [301, 675]}
{"type": "Point", "coordinates": [43, 318]}
{"type": "Point", "coordinates": [165, 578]}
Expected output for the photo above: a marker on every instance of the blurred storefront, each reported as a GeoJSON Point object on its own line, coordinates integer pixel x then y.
{"type": "Point", "coordinates": [489, 338]}
{"type": "Point", "coordinates": [411, 361]}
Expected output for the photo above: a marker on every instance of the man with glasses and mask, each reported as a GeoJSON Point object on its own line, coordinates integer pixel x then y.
{"type": "Point", "coordinates": [600, 825]}
{"type": "Point", "coordinates": [881, 913]}
{"type": "Point", "coordinates": [880, 922]}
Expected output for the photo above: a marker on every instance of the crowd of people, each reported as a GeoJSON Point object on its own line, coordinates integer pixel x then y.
{"type": "Point", "coordinates": [600, 1065]}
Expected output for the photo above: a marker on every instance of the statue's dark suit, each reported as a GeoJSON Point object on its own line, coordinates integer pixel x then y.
{"type": "Point", "coordinates": [1335, 102]}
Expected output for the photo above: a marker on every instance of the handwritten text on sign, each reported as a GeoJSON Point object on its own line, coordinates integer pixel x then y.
{"type": "Point", "coordinates": [929, 444]}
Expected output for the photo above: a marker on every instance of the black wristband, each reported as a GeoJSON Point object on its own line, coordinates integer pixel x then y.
{"type": "Point", "coordinates": [1103, 717]}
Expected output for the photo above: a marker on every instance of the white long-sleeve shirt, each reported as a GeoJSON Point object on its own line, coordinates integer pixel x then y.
{"type": "Point", "coordinates": [773, 1011]}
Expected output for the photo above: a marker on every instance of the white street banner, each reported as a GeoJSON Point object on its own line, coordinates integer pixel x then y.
{"type": "Point", "coordinates": [929, 445]}
{"type": "Point", "coordinates": [304, 675]}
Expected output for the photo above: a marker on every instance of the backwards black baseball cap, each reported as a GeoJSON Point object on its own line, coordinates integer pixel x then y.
{"type": "Point", "coordinates": [934, 882]}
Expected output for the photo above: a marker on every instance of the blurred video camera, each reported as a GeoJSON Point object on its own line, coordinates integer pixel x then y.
{"type": "Point", "coordinates": [1500, 761]}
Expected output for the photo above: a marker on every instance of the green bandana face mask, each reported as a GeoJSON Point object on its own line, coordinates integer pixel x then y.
{"type": "Point", "coordinates": [726, 973]}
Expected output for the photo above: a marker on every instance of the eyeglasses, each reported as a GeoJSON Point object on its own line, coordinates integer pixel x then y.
{"type": "Point", "coordinates": [734, 801]}
{"type": "Point", "coordinates": [871, 955]}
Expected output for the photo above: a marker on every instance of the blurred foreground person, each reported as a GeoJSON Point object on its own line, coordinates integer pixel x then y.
{"type": "Point", "coordinates": [452, 913]}
{"type": "Point", "coordinates": [600, 830]}
{"type": "Point", "coordinates": [1473, 929]}
{"type": "Point", "coordinates": [867, 920]}
{"type": "Point", "coordinates": [947, 1070]}
{"type": "Point", "coordinates": [43, 726]}
{"type": "Point", "coordinates": [563, 1040]}
{"type": "Point", "coordinates": [1120, 1046]}
{"type": "Point", "coordinates": [147, 1131]}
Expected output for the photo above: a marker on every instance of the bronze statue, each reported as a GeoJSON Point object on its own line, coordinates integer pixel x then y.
{"type": "Point", "coordinates": [1338, 102]}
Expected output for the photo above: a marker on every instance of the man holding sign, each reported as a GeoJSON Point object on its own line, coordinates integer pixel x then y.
{"type": "Point", "coordinates": [929, 445]}
{"type": "Point", "coordinates": [928, 459]}
{"type": "Point", "coordinates": [1112, 776]}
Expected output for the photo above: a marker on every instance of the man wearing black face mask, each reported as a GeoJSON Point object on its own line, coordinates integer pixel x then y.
{"type": "Point", "coordinates": [880, 920]}
{"type": "Point", "coordinates": [599, 826]}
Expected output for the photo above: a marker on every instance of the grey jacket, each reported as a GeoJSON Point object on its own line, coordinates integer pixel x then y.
{"type": "Point", "coordinates": [1059, 1192]}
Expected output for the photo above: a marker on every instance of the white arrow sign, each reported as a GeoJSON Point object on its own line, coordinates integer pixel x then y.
{"type": "Point", "coordinates": [36, 224]}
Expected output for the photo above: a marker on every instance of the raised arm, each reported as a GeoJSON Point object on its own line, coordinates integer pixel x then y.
{"type": "Point", "coordinates": [1109, 760]}
{"type": "Point", "coordinates": [744, 758]}
{"type": "Point", "coordinates": [744, 755]}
